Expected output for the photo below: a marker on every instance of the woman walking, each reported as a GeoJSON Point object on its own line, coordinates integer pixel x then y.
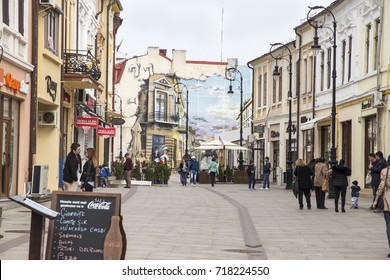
{"type": "Point", "coordinates": [320, 175]}
{"type": "Point", "coordinates": [89, 171]}
{"type": "Point", "coordinates": [183, 172]}
{"type": "Point", "coordinates": [385, 189]}
{"type": "Point", "coordinates": [340, 175]}
{"type": "Point", "coordinates": [303, 173]}
{"type": "Point", "coordinates": [213, 170]}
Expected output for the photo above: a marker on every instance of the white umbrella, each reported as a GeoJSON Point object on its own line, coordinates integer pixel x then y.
{"type": "Point", "coordinates": [136, 131]}
{"type": "Point", "coordinates": [219, 145]}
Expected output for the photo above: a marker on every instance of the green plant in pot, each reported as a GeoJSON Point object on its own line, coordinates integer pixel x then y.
{"type": "Point", "coordinates": [136, 173]}
{"type": "Point", "coordinates": [229, 173]}
{"type": "Point", "coordinates": [117, 170]}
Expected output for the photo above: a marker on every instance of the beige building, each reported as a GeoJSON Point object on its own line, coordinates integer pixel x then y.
{"type": "Point", "coordinates": [16, 71]}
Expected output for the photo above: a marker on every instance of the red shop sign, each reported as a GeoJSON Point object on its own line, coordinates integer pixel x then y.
{"type": "Point", "coordinates": [106, 132]}
{"type": "Point", "coordinates": [84, 122]}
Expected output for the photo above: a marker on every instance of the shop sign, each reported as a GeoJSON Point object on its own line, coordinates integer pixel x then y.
{"type": "Point", "coordinates": [15, 85]}
{"type": "Point", "coordinates": [106, 132]}
{"type": "Point", "coordinates": [87, 122]}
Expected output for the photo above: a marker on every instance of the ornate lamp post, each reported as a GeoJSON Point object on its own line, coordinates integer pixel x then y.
{"type": "Point", "coordinates": [231, 75]}
{"type": "Point", "coordinates": [316, 47]}
{"type": "Point", "coordinates": [179, 87]}
{"type": "Point", "coordinates": [276, 75]}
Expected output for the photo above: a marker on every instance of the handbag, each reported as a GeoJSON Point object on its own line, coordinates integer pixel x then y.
{"type": "Point", "coordinates": [380, 205]}
{"type": "Point", "coordinates": [295, 186]}
{"type": "Point", "coordinates": [368, 177]}
{"type": "Point", "coordinates": [325, 184]}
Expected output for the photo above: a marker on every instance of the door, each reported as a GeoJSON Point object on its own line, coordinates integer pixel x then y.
{"type": "Point", "coordinates": [5, 158]}
{"type": "Point", "coordinates": [275, 160]}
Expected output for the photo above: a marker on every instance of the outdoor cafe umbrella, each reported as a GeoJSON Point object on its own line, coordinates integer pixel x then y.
{"type": "Point", "coordinates": [219, 144]}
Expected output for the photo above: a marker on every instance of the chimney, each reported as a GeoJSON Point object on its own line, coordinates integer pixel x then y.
{"type": "Point", "coordinates": [163, 52]}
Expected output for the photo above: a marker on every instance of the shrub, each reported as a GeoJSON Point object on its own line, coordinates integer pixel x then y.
{"type": "Point", "coordinates": [117, 170]}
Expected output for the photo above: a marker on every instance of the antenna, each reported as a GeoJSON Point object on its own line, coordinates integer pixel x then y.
{"type": "Point", "coordinates": [222, 29]}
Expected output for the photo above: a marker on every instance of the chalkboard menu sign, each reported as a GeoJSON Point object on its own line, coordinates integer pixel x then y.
{"type": "Point", "coordinates": [78, 232]}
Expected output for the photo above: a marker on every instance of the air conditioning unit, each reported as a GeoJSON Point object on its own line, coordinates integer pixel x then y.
{"type": "Point", "coordinates": [47, 3]}
{"type": "Point", "coordinates": [377, 99]}
{"type": "Point", "coordinates": [47, 118]}
{"type": "Point", "coordinates": [39, 179]}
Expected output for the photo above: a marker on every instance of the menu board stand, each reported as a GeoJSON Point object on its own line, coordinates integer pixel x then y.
{"type": "Point", "coordinates": [37, 227]}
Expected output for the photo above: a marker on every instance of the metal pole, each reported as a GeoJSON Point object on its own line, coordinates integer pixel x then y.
{"type": "Point", "coordinates": [289, 153]}
{"type": "Point", "coordinates": [186, 154]}
{"type": "Point", "coordinates": [240, 161]}
{"type": "Point", "coordinates": [120, 136]}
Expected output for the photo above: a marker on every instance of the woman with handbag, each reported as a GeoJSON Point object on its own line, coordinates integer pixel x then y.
{"type": "Point", "coordinates": [385, 189]}
{"type": "Point", "coordinates": [89, 171]}
{"type": "Point", "coordinates": [340, 175]}
{"type": "Point", "coordinates": [303, 173]}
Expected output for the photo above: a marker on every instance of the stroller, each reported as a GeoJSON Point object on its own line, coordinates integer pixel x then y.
{"type": "Point", "coordinates": [104, 173]}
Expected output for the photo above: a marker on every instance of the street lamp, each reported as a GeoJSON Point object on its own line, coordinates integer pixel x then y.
{"type": "Point", "coordinates": [180, 86]}
{"type": "Point", "coordinates": [231, 75]}
{"type": "Point", "coordinates": [276, 75]}
{"type": "Point", "coordinates": [119, 121]}
{"type": "Point", "coordinates": [316, 47]}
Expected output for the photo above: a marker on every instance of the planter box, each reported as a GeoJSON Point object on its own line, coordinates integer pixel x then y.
{"type": "Point", "coordinates": [240, 177]}
{"type": "Point", "coordinates": [141, 183]}
{"type": "Point", "coordinates": [113, 183]}
{"type": "Point", "coordinates": [204, 177]}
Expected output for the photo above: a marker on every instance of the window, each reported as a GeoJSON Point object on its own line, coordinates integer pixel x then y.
{"type": "Point", "coordinates": [21, 16]}
{"type": "Point", "coordinates": [160, 110]}
{"type": "Point", "coordinates": [308, 147]}
{"type": "Point", "coordinates": [259, 83]}
{"type": "Point", "coordinates": [310, 75]}
{"type": "Point", "coordinates": [265, 90]}
{"type": "Point", "coordinates": [376, 37]}
{"type": "Point", "coordinates": [328, 67]}
{"type": "Point", "coordinates": [280, 84]}
{"type": "Point", "coordinates": [367, 51]}
{"type": "Point", "coordinates": [322, 70]}
{"type": "Point", "coordinates": [304, 76]}
{"type": "Point", "coordinates": [343, 50]}
{"type": "Point", "coordinates": [6, 12]}
{"type": "Point", "coordinates": [326, 143]}
{"type": "Point", "coordinates": [350, 58]}
{"type": "Point", "coordinates": [347, 142]}
{"type": "Point", "coordinates": [273, 91]}
{"type": "Point", "coordinates": [52, 31]}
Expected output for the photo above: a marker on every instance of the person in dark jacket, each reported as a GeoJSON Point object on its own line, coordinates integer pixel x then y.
{"type": "Point", "coordinates": [89, 171]}
{"type": "Point", "coordinates": [375, 169]}
{"type": "Point", "coordinates": [71, 167]}
{"type": "Point", "coordinates": [183, 168]}
{"type": "Point", "coordinates": [303, 173]}
{"type": "Point", "coordinates": [128, 167]}
{"type": "Point", "coordinates": [251, 175]}
{"type": "Point", "coordinates": [266, 173]}
{"type": "Point", "coordinates": [340, 175]}
{"type": "Point", "coordinates": [355, 189]}
{"type": "Point", "coordinates": [194, 169]}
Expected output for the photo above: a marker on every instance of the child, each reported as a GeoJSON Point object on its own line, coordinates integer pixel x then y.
{"type": "Point", "coordinates": [355, 189]}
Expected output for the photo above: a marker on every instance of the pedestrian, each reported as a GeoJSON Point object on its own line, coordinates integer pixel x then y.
{"type": "Point", "coordinates": [251, 175]}
{"type": "Point", "coordinates": [194, 169]}
{"type": "Point", "coordinates": [303, 173]}
{"type": "Point", "coordinates": [384, 189]}
{"type": "Point", "coordinates": [340, 174]}
{"type": "Point", "coordinates": [266, 172]}
{"type": "Point", "coordinates": [128, 167]}
{"type": "Point", "coordinates": [71, 167]}
{"type": "Point", "coordinates": [213, 170]}
{"type": "Point", "coordinates": [183, 168]}
{"type": "Point", "coordinates": [320, 175]}
{"type": "Point", "coordinates": [355, 189]}
{"type": "Point", "coordinates": [376, 168]}
{"type": "Point", "coordinates": [89, 171]}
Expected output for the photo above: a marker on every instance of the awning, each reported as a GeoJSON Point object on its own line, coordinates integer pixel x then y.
{"type": "Point", "coordinates": [310, 124]}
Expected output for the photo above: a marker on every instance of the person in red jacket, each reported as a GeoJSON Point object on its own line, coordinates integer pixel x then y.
{"type": "Point", "coordinates": [127, 168]}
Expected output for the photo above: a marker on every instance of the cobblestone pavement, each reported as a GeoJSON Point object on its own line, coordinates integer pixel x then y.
{"type": "Point", "coordinates": [225, 222]}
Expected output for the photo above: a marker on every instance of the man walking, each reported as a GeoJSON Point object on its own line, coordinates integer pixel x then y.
{"type": "Point", "coordinates": [128, 167]}
{"type": "Point", "coordinates": [194, 169]}
{"type": "Point", "coordinates": [251, 175]}
{"type": "Point", "coordinates": [376, 168]}
{"type": "Point", "coordinates": [266, 172]}
{"type": "Point", "coordinates": [72, 165]}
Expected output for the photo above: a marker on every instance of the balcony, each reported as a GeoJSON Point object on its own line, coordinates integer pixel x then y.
{"type": "Point", "coordinates": [81, 70]}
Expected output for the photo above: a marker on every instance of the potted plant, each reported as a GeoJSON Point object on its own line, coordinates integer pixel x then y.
{"type": "Point", "coordinates": [136, 173]}
{"type": "Point", "coordinates": [166, 173]}
{"type": "Point", "coordinates": [117, 170]}
{"type": "Point", "coordinates": [149, 172]}
{"type": "Point", "coordinates": [229, 174]}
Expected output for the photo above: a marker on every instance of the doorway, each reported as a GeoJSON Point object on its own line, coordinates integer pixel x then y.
{"type": "Point", "coordinates": [275, 160]}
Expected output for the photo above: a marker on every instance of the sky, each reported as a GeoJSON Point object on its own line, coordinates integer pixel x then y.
{"type": "Point", "coordinates": [245, 30]}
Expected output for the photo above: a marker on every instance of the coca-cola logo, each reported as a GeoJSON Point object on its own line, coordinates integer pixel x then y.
{"type": "Point", "coordinates": [101, 205]}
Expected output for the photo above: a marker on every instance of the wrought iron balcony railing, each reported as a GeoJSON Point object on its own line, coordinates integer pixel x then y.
{"type": "Point", "coordinates": [82, 62]}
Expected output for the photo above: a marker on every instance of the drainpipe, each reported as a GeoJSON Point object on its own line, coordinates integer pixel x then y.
{"type": "Point", "coordinates": [63, 44]}
{"type": "Point", "coordinates": [378, 76]}
{"type": "Point", "coordinates": [253, 98]}
{"type": "Point", "coordinates": [77, 28]}
{"type": "Point", "coordinates": [34, 81]}
{"type": "Point", "coordinates": [101, 9]}
{"type": "Point", "coordinates": [298, 87]}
